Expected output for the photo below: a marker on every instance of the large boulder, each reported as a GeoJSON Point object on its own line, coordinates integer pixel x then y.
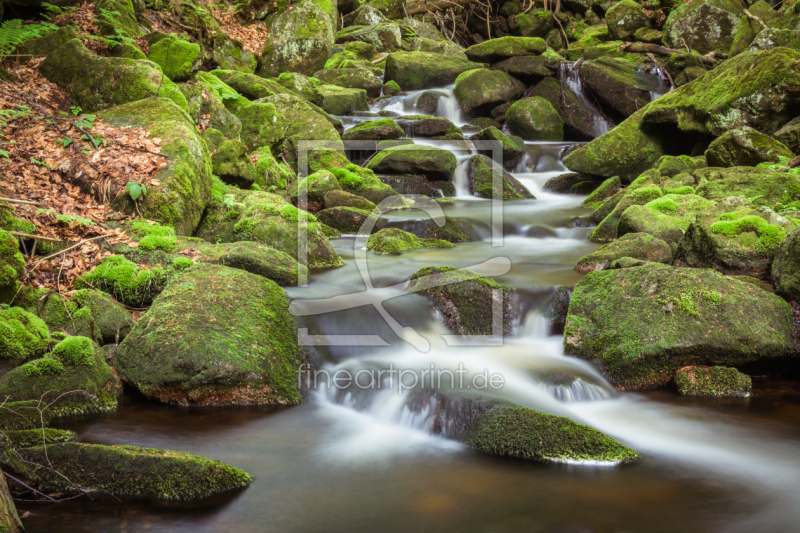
{"type": "Point", "coordinates": [743, 91]}
{"type": "Point", "coordinates": [95, 83]}
{"type": "Point", "coordinates": [338, 100]}
{"type": "Point", "coordinates": [642, 324]}
{"type": "Point", "coordinates": [185, 184]}
{"type": "Point", "coordinates": [179, 59]}
{"type": "Point", "coordinates": [301, 40]}
{"type": "Point", "coordinates": [199, 346]}
{"type": "Point", "coordinates": [206, 108]}
{"type": "Point", "coordinates": [579, 121]}
{"type": "Point", "coordinates": [130, 471]}
{"type": "Point", "coordinates": [481, 172]}
{"type": "Point", "coordinates": [616, 83]}
{"type": "Point", "coordinates": [534, 119]}
{"type": "Point", "coordinates": [23, 336]}
{"type": "Point", "coordinates": [351, 78]}
{"type": "Point", "coordinates": [247, 84]}
{"type": "Point", "coordinates": [749, 28]}
{"type": "Point", "coordinates": [385, 37]}
{"type": "Point", "coordinates": [666, 218]}
{"type": "Point", "coordinates": [374, 130]}
{"type": "Point", "coordinates": [434, 163]}
{"type": "Point", "coordinates": [789, 135]}
{"type": "Point", "coordinates": [536, 24]}
{"type": "Point", "coordinates": [479, 91]}
{"type": "Point", "coordinates": [786, 267]}
{"type": "Point", "coordinates": [466, 300]}
{"type": "Point", "coordinates": [624, 19]}
{"type": "Point", "coordinates": [229, 54]}
{"type": "Point", "coordinates": [495, 50]}
{"type": "Point", "coordinates": [704, 25]}
{"type": "Point", "coordinates": [745, 147]}
{"type": "Point", "coordinates": [419, 70]}
{"type": "Point", "coordinates": [761, 186]}
{"type": "Point", "coordinates": [73, 379]}
{"type": "Point", "coordinates": [530, 69]}
{"type": "Point", "coordinates": [639, 246]}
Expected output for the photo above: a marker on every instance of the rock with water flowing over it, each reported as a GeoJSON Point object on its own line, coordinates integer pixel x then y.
{"type": "Point", "coordinates": [745, 147]}
{"type": "Point", "coordinates": [511, 430]}
{"type": "Point", "coordinates": [786, 267]}
{"type": "Point", "coordinates": [579, 120]}
{"type": "Point", "coordinates": [215, 336]}
{"type": "Point", "coordinates": [634, 245]}
{"type": "Point", "coordinates": [615, 82]}
{"type": "Point", "coordinates": [479, 91]}
{"type": "Point", "coordinates": [534, 119]}
{"type": "Point", "coordinates": [301, 41]}
{"type": "Point", "coordinates": [755, 89]}
{"type": "Point", "coordinates": [419, 70]}
{"type": "Point", "coordinates": [436, 164]}
{"type": "Point", "coordinates": [642, 324]}
{"type": "Point", "coordinates": [708, 25]}
{"type": "Point", "coordinates": [131, 471]}
{"type": "Point", "coordinates": [470, 304]}
{"type": "Point", "coordinates": [481, 173]}
{"type": "Point", "coordinates": [715, 381]}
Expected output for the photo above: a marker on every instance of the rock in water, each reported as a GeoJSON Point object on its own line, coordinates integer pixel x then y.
{"type": "Point", "coordinates": [480, 174]}
{"type": "Point", "coordinates": [479, 91]}
{"type": "Point", "coordinates": [131, 471]}
{"type": "Point", "coordinates": [215, 335]}
{"type": "Point", "coordinates": [634, 245]}
{"type": "Point", "coordinates": [642, 324]}
{"type": "Point", "coordinates": [713, 381]}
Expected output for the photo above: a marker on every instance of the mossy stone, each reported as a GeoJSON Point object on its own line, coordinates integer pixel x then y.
{"type": "Point", "coordinates": [112, 321]}
{"type": "Point", "coordinates": [351, 78]}
{"type": "Point", "coordinates": [178, 59]}
{"type": "Point", "coordinates": [434, 163]}
{"type": "Point", "coordinates": [623, 19]}
{"type": "Point", "coordinates": [377, 130]}
{"type": "Point", "coordinates": [514, 147]}
{"type": "Point", "coordinates": [481, 178]}
{"type": "Point", "coordinates": [708, 24]}
{"type": "Point", "coordinates": [394, 241]}
{"type": "Point", "coordinates": [125, 281]}
{"type": "Point", "coordinates": [23, 336]}
{"type": "Point", "coordinates": [229, 54]}
{"type": "Point", "coordinates": [336, 198]}
{"type": "Point", "coordinates": [786, 267]}
{"type": "Point", "coordinates": [616, 83]}
{"type": "Point", "coordinates": [12, 263]}
{"type": "Point", "coordinates": [789, 135]}
{"type": "Point", "coordinates": [634, 245]}
{"type": "Point", "coordinates": [350, 220]}
{"type": "Point", "coordinates": [478, 91]}
{"type": "Point", "coordinates": [715, 381]}
{"type": "Point", "coordinates": [301, 40]}
{"type": "Point", "coordinates": [250, 85]}
{"type": "Point", "coordinates": [386, 36]}
{"type": "Point", "coordinates": [232, 164]}
{"type": "Point", "coordinates": [338, 100]}
{"type": "Point", "coordinates": [27, 438]}
{"type": "Point", "coordinates": [420, 70]}
{"type": "Point", "coordinates": [745, 147]}
{"type": "Point", "coordinates": [534, 119]}
{"type": "Point", "coordinates": [495, 50]}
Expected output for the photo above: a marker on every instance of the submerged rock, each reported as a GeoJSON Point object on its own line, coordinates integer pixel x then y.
{"type": "Point", "coordinates": [215, 335]}
{"type": "Point", "coordinates": [466, 300]}
{"type": "Point", "coordinates": [123, 470]}
{"type": "Point", "coordinates": [713, 381]}
{"type": "Point", "coordinates": [642, 324]}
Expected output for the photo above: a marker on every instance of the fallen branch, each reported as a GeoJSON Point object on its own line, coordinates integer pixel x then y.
{"type": "Point", "coordinates": [15, 201]}
{"type": "Point", "coordinates": [427, 6]}
{"type": "Point", "coordinates": [381, 58]}
{"type": "Point", "coordinates": [755, 18]}
{"type": "Point", "coordinates": [84, 241]}
{"type": "Point", "coordinates": [9, 476]}
{"type": "Point", "coordinates": [794, 163]}
{"type": "Point", "coordinates": [35, 237]}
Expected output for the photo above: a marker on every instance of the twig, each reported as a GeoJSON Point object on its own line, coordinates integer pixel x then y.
{"type": "Point", "coordinates": [9, 476]}
{"type": "Point", "coordinates": [35, 237]}
{"type": "Point", "coordinates": [15, 201]}
{"type": "Point", "coordinates": [755, 18]}
{"type": "Point", "coordinates": [142, 149]}
{"type": "Point", "coordinates": [71, 247]}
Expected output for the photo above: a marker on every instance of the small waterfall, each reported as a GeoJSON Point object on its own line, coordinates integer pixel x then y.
{"type": "Point", "coordinates": [413, 103]}
{"type": "Point", "coordinates": [460, 180]}
{"type": "Point", "coordinates": [570, 79]}
{"type": "Point", "coordinates": [655, 79]}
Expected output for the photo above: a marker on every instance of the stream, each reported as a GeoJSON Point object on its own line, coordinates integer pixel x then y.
{"type": "Point", "coordinates": [364, 460]}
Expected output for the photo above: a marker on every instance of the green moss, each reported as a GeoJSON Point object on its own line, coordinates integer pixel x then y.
{"type": "Point", "coordinates": [23, 335]}
{"type": "Point", "coordinates": [74, 351]}
{"type": "Point", "coordinates": [125, 281]}
{"type": "Point", "coordinates": [182, 263]}
{"type": "Point", "coordinates": [42, 367]}
{"type": "Point", "coordinates": [714, 381]}
{"type": "Point", "coordinates": [769, 237]}
{"type": "Point", "coordinates": [392, 241]}
{"type": "Point", "coordinates": [176, 57]}
{"type": "Point", "coordinates": [515, 431]}
{"type": "Point", "coordinates": [154, 236]}
{"type": "Point", "coordinates": [26, 438]}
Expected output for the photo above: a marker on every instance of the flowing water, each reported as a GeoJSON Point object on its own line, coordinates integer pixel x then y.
{"type": "Point", "coordinates": [366, 459]}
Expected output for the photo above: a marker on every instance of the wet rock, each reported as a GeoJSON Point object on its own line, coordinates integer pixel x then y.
{"type": "Point", "coordinates": [411, 184]}
{"type": "Point", "coordinates": [634, 245]}
{"type": "Point", "coordinates": [465, 300]}
{"type": "Point", "coordinates": [419, 70]}
{"type": "Point", "coordinates": [436, 164]}
{"type": "Point", "coordinates": [95, 83]}
{"type": "Point", "coordinates": [350, 220]}
{"type": "Point", "coordinates": [615, 83]}
{"type": "Point", "coordinates": [745, 147]}
{"type": "Point", "coordinates": [226, 356]}
{"type": "Point", "coordinates": [563, 183]}
{"type": "Point", "coordinates": [557, 310]}
{"type": "Point", "coordinates": [786, 267]}
{"type": "Point", "coordinates": [534, 119]}
{"type": "Point", "coordinates": [453, 230]}
{"type": "Point", "coordinates": [123, 470]}
{"type": "Point", "coordinates": [513, 147]}
{"type": "Point", "coordinates": [715, 381]}
{"type": "Point", "coordinates": [579, 121]}
{"type": "Point", "coordinates": [479, 91]}
{"type": "Point", "coordinates": [707, 24]}
{"type": "Point", "coordinates": [393, 241]}
{"type": "Point", "coordinates": [681, 317]}
{"type": "Point", "coordinates": [480, 175]}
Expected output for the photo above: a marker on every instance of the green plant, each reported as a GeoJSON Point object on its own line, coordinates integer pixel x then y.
{"type": "Point", "coordinates": [136, 190]}
{"type": "Point", "coordinates": [14, 32]}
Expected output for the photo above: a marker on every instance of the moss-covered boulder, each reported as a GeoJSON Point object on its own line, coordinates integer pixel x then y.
{"type": "Point", "coordinates": [534, 119]}
{"type": "Point", "coordinates": [393, 241]}
{"type": "Point", "coordinates": [232, 164]}
{"type": "Point", "coordinates": [535, 24]}
{"type": "Point", "coordinates": [666, 218]}
{"type": "Point", "coordinates": [789, 135]}
{"type": "Point", "coordinates": [634, 245]}
{"type": "Point", "coordinates": [116, 18]}
{"type": "Point", "coordinates": [301, 40]}
{"type": "Point", "coordinates": [301, 85]}
{"type": "Point", "coordinates": [207, 108]}
{"type": "Point", "coordinates": [708, 24]}
{"type": "Point", "coordinates": [715, 381]}
{"type": "Point", "coordinates": [445, 48]}
{"type": "Point", "coordinates": [513, 147]}
{"type": "Point", "coordinates": [495, 50]}
{"type": "Point", "coordinates": [606, 190]}
{"type": "Point", "coordinates": [745, 147]}
{"type": "Point", "coordinates": [374, 130]}
{"type": "Point", "coordinates": [478, 91]}
{"type": "Point", "coordinates": [579, 122]}
{"type": "Point", "coordinates": [612, 210]}
{"type": "Point", "coordinates": [131, 471]}
{"type": "Point", "coordinates": [23, 336]}
{"type": "Point", "coordinates": [125, 281]}
{"type": "Point", "coordinates": [257, 259]}
{"type": "Point", "coordinates": [315, 186]}
{"type": "Point", "coordinates": [760, 186]}
{"type": "Point", "coordinates": [338, 100]}
{"type": "Point", "coordinates": [43, 46]}
{"type": "Point", "coordinates": [95, 83]}
{"type": "Point", "coordinates": [786, 267]}
{"type": "Point", "coordinates": [185, 184]}
{"type": "Point", "coordinates": [350, 220]}
{"type": "Point", "coordinates": [27, 438]}
{"type": "Point", "coordinates": [247, 84]}
{"type": "Point", "coordinates": [178, 59]}
{"type": "Point", "coordinates": [73, 379]}
{"type": "Point", "coordinates": [616, 83]}
{"type": "Point", "coordinates": [749, 28]}
{"type": "Point", "coordinates": [229, 54]}
{"type": "Point", "coordinates": [12, 265]}
{"type": "Point", "coordinates": [112, 321]}
{"type": "Point", "coordinates": [466, 300]}
{"type": "Point", "coordinates": [488, 180]}
{"type": "Point", "coordinates": [642, 324]}
{"type": "Point", "coordinates": [351, 78]}
{"type": "Point", "coordinates": [530, 69]}
{"type": "Point", "coordinates": [419, 70]}
{"type": "Point", "coordinates": [624, 19]}
{"type": "Point", "coordinates": [774, 37]}
{"type": "Point", "coordinates": [216, 335]}
{"type": "Point", "coordinates": [436, 164]}
{"type": "Point", "coordinates": [515, 431]}
{"type": "Point", "coordinates": [336, 198]}
{"type": "Point", "coordinates": [385, 37]}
